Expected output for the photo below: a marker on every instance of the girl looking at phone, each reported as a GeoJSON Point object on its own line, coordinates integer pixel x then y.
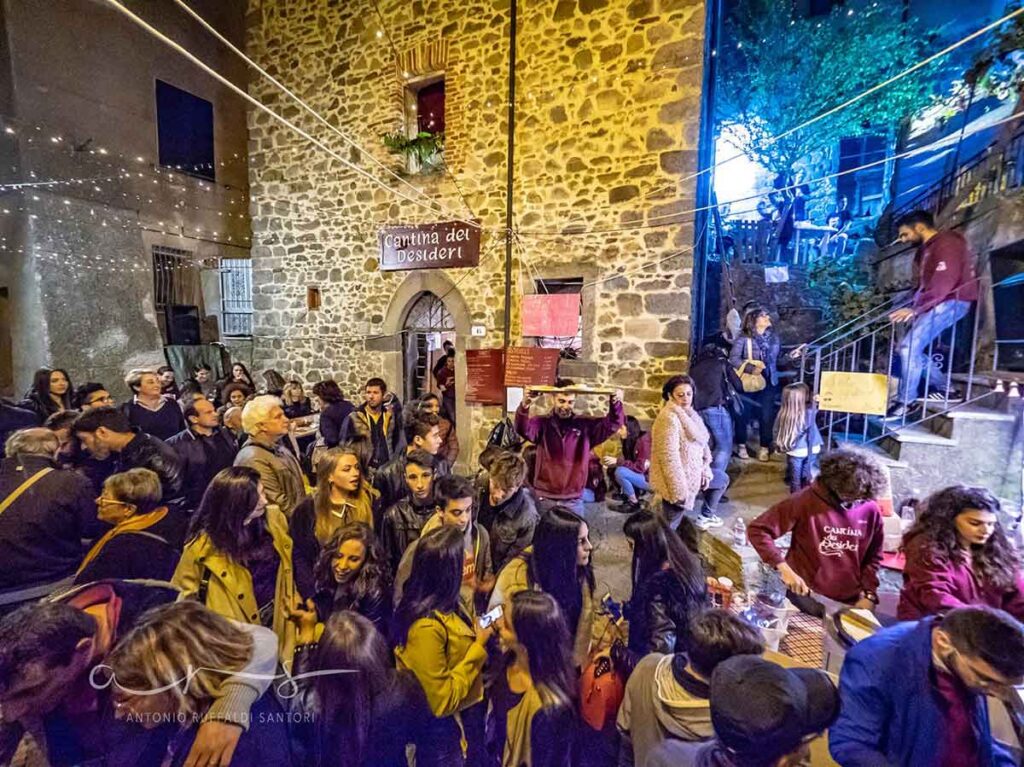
{"type": "Point", "coordinates": [443, 647]}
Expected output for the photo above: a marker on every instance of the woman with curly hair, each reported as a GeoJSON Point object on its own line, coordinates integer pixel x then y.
{"type": "Point", "coordinates": [958, 555]}
{"type": "Point", "coordinates": [837, 532]}
{"type": "Point", "coordinates": [352, 574]}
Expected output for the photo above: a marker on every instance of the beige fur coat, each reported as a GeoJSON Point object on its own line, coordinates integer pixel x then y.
{"type": "Point", "coordinates": [680, 455]}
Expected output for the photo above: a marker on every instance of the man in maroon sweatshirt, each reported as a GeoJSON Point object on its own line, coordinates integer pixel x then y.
{"type": "Point", "coordinates": [946, 289]}
{"type": "Point", "coordinates": [564, 441]}
{"type": "Point", "coordinates": [837, 533]}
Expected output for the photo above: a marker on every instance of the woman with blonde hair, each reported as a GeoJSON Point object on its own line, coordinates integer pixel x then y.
{"type": "Point", "coordinates": [173, 665]}
{"type": "Point", "coordinates": [796, 434]}
{"type": "Point", "coordinates": [342, 497]}
{"type": "Point", "coordinates": [139, 543]}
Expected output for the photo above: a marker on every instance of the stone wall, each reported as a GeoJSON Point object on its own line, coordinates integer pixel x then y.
{"type": "Point", "coordinates": [608, 99]}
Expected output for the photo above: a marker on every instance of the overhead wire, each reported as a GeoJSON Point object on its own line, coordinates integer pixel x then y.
{"type": "Point", "coordinates": [141, 23]}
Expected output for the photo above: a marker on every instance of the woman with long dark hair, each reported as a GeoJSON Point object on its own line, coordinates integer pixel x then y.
{"type": "Point", "coordinates": [632, 470]}
{"type": "Point", "coordinates": [342, 497]}
{"type": "Point", "coordinates": [238, 556]}
{"type": "Point", "coordinates": [669, 586]}
{"type": "Point", "coordinates": [352, 574]}
{"type": "Point", "coordinates": [334, 409]}
{"type": "Point", "coordinates": [558, 563]}
{"type": "Point", "coordinates": [958, 555]}
{"type": "Point", "coordinates": [437, 642]}
{"type": "Point", "coordinates": [365, 716]}
{"type": "Point", "coordinates": [533, 701]}
{"type": "Point", "coordinates": [50, 393]}
{"type": "Point", "coordinates": [756, 352]}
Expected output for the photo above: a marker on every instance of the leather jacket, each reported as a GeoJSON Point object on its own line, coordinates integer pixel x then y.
{"type": "Point", "coordinates": [402, 524]}
{"type": "Point", "coordinates": [148, 452]}
{"type": "Point", "coordinates": [510, 525]}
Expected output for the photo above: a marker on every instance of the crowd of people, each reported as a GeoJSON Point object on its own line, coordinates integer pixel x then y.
{"type": "Point", "coordinates": [186, 583]}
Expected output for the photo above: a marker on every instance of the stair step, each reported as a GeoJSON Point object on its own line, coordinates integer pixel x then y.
{"type": "Point", "coordinates": [875, 450]}
{"type": "Point", "coordinates": [919, 434]}
{"type": "Point", "coordinates": [977, 413]}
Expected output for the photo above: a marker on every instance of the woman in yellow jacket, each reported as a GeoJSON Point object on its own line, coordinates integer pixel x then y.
{"type": "Point", "coordinates": [238, 557]}
{"type": "Point", "coordinates": [444, 649]}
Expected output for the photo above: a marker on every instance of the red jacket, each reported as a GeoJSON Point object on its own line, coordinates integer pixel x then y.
{"type": "Point", "coordinates": [946, 271]}
{"type": "Point", "coordinates": [933, 583]}
{"type": "Point", "coordinates": [836, 551]}
{"type": "Point", "coordinates": [563, 448]}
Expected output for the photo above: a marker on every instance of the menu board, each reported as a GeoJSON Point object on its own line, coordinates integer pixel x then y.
{"type": "Point", "coordinates": [531, 366]}
{"type": "Point", "coordinates": [485, 379]}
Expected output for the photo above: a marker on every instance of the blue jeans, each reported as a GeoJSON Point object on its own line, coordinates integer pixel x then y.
{"type": "Point", "coordinates": [719, 422]}
{"type": "Point", "coordinates": [913, 349]}
{"type": "Point", "coordinates": [630, 481]}
{"type": "Point", "coordinates": [572, 504]}
{"type": "Point", "coordinates": [801, 471]}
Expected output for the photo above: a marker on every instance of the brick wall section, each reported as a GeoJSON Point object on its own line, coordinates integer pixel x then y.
{"type": "Point", "coordinates": [607, 126]}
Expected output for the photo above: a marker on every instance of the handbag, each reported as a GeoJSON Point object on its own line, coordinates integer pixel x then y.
{"type": "Point", "coordinates": [602, 689]}
{"type": "Point", "coordinates": [505, 436]}
{"type": "Point", "coordinates": [752, 382]}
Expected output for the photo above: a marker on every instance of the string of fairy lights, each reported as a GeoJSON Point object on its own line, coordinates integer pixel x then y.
{"type": "Point", "coordinates": [122, 169]}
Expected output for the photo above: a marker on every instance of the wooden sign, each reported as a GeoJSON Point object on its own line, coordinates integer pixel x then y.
{"type": "Point", "coordinates": [865, 393]}
{"type": "Point", "coordinates": [531, 366]}
{"type": "Point", "coordinates": [445, 245]}
{"type": "Point", "coordinates": [485, 376]}
{"type": "Point", "coordinates": [557, 314]}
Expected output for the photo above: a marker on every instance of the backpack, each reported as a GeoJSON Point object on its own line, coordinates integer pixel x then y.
{"type": "Point", "coordinates": [505, 436]}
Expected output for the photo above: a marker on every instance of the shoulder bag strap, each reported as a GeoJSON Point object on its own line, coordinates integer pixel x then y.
{"type": "Point", "coordinates": [204, 585]}
{"type": "Point", "coordinates": [10, 499]}
{"type": "Point", "coordinates": [750, 350]}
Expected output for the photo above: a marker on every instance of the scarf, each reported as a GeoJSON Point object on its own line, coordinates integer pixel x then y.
{"type": "Point", "coordinates": [132, 524]}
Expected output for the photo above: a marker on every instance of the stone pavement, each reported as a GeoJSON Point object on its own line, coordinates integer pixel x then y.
{"type": "Point", "coordinates": [755, 487]}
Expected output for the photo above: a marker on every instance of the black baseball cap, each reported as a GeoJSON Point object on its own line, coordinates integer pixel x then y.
{"type": "Point", "coordinates": [760, 709]}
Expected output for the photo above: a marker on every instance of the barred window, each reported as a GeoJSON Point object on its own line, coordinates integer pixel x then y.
{"type": "Point", "coordinates": [236, 296]}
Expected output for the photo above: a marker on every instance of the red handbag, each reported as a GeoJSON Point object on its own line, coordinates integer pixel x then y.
{"type": "Point", "coordinates": [602, 689]}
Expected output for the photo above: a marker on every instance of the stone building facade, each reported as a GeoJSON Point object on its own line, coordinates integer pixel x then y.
{"type": "Point", "coordinates": [84, 199]}
{"type": "Point", "coordinates": [607, 117]}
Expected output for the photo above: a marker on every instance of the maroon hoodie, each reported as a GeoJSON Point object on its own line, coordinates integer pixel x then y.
{"type": "Point", "coordinates": [563, 448]}
{"type": "Point", "coordinates": [641, 461]}
{"type": "Point", "coordinates": [945, 272]}
{"type": "Point", "coordinates": [934, 583]}
{"type": "Point", "coordinates": [836, 551]}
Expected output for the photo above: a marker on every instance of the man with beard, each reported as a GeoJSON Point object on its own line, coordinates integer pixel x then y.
{"type": "Point", "coordinates": [946, 289]}
{"type": "Point", "coordinates": [564, 440]}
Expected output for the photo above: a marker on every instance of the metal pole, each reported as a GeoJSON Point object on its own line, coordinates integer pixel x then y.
{"type": "Point", "coordinates": [510, 178]}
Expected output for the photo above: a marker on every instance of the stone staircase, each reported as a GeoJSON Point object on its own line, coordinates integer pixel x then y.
{"type": "Point", "coordinates": [979, 443]}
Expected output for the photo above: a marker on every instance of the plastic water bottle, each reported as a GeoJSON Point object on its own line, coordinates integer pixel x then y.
{"type": "Point", "coordinates": [908, 516]}
{"type": "Point", "coordinates": [739, 532]}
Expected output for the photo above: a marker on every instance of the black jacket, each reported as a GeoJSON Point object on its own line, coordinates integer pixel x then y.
{"type": "Point", "coordinates": [162, 424]}
{"type": "Point", "coordinates": [145, 554]}
{"type": "Point", "coordinates": [510, 525]}
{"type": "Point", "coordinates": [399, 716]}
{"type": "Point", "coordinates": [389, 479]}
{"type": "Point", "coordinates": [401, 525]}
{"type": "Point", "coordinates": [332, 420]}
{"type": "Point", "coordinates": [202, 457]}
{"type": "Point", "coordinates": [659, 614]}
{"type": "Point", "coordinates": [13, 418]}
{"type": "Point", "coordinates": [42, 530]}
{"type": "Point", "coordinates": [42, 408]}
{"type": "Point", "coordinates": [376, 605]}
{"type": "Point", "coordinates": [148, 452]}
{"type": "Point", "coordinates": [394, 438]}
{"type": "Point", "coordinates": [716, 380]}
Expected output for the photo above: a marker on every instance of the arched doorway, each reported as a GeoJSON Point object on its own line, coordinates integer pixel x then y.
{"type": "Point", "coordinates": [428, 325]}
{"type": "Point", "coordinates": [443, 307]}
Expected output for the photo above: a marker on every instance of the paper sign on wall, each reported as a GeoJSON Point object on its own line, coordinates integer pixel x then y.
{"type": "Point", "coordinates": [776, 274]}
{"type": "Point", "coordinates": [531, 366]}
{"type": "Point", "coordinates": [865, 393]}
{"type": "Point", "coordinates": [485, 376]}
{"type": "Point", "coordinates": [557, 314]}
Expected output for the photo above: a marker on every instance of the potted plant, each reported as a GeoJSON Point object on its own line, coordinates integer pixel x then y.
{"type": "Point", "coordinates": [422, 152]}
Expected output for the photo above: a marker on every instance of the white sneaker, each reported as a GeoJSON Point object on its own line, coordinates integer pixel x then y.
{"type": "Point", "coordinates": [706, 523]}
{"type": "Point", "coordinates": [741, 452]}
{"type": "Point", "coordinates": [763, 455]}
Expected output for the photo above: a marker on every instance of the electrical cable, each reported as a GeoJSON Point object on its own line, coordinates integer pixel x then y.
{"type": "Point", "coordinates": [138, 21]}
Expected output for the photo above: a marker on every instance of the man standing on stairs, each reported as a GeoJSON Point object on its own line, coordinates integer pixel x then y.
{"type": "Point", "coordinates": [946, 289]}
